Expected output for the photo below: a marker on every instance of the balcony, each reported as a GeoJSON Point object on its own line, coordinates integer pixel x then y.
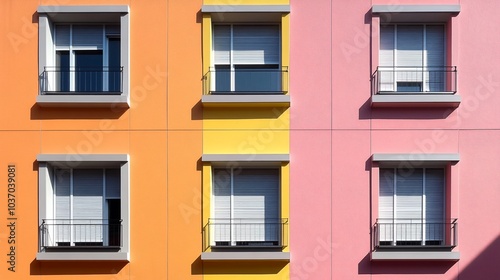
{"type": "Point", "coordinates": [246, 86]}
{"type": "Point", "coordinates": [80, 235]}
{"type": "Point", "coordinates": [415, 87]}
{"type": "Point", "coordinates": [245, 239]}
{"type": "Point", "coordinates": [407, 239]}
{"type": "Point", "coordinates": [81, 87]}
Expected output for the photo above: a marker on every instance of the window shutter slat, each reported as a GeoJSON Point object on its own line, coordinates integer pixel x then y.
{"type": "Point", "coordinates": [88, 36]}
{"type": "Point", "coordinates": [222, 205]}
{"type": "Point", "coordinates": [62, 37]}
{"type": "Point", "coordinates": [222, 44]}
{"type": "Point", "coordinates": [409, 45]}
{"type": "Point", "coordinates": [256, 202]}
{"type": "Point", "coordinates": [88, 204]}
{"type": "Point", "coordinates": [256, 44]}
{"type": "Point", "coordinates": [386, 57]}
{"type": "Point", "coordinates": [62, 208]}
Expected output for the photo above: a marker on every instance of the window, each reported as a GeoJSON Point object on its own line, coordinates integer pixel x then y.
{"type": "Point", "coordinates": [245, 55]}
{"type": "Point", "coordinates": [87, 60]}
{"type": "Point", "coordinates": [246, 208]}
{"type": "Point", "coordinates": [414, 217]}
{"type": "Point", "coordinates": [83, 56]}
{"type": "Point", "coordinates": [412, 58]}
{"type": "Point", "coordinates": [415, 54]}
{"type": "Point", "coordinates": [83, 207]}
{"type": "Point", "coordinates": [411, 207]}
{"type": "Point", "coordinates": [86, 209]}
{"type": "Point", "coordinates": [246, 58]}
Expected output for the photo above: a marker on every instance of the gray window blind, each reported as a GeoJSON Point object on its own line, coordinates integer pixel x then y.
{"type": "Point", "coordinates": [113, 183]}
{"type": "Point", "coordinates": [246, 44]}
{"type": "Point", "coordinates": [254, 215]}
{"type": "Point", "coordinates": [414, 199]}
{"type": "Point", "coordinates": [62, 38]}
{"type": "Point", "coordinates": [256, 203]}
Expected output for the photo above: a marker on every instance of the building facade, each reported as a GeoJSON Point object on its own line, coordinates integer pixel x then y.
{"type": "Point", "coordinates": [249, 139]}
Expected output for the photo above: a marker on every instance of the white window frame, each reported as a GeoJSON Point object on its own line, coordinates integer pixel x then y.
{"type": "Point", "coordinates": [231, 64]}
{"type": "Point", "coordinates": [46, 194]}
{"type": "Point", "coordinates": [423, 210]}
{"type": "Point", "coordinates": [49, 16]}
{"type": "Point", "coordinates": [232, 171]}
{"type": "Point", "coordinates": [424, 77]}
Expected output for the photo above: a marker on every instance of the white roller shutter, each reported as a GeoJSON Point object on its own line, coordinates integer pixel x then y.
{"type": "Point", "coordinates": [386, 76]}
{"type": "Point", "coordinates": [222, 44]}
{"type": "Point", "coordinates": [62, 182]}
{"type": "Point", "coordinates": [435, 48]}
{"type": "Point", "coordinates": [434, 204]}
{"type": "Point", "coordinates": [88, 204]}
{"type": "Point", "coordinates": [409, 187]}
{"type": "Point", "coordinates": [386, 204]}
{"type": "Point", "coordinates": [221, 229]}
{"type": "Point", "coordinates": [409, 44]}
{"type": "Point", "coordinates": [256, 44]}
{"type": "Point", "coordinates": [256, 204]}
{"type": "Point", "coordinates": [417, 206]}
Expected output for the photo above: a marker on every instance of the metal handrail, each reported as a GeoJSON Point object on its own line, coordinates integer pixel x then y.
{"type": "Point", "coordinates": [414, 80]}
{"type": "Point", "coordinates": [227, 233]}
{"type": "Point", "coordinates": [81, 80]}
{"type": "Point", "coordinates": [80, 233]}
{"type": "Point", "coordinates": [245, 81]}
{"type": "Point", "coordinates": [394, 233]}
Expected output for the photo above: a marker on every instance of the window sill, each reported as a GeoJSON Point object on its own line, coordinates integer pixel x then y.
{"type": "Point", "coordinates": [414, 255]}
{"type": "Point", "coordinates": [271, 100]}
{"type": "Point", "coordinates": [244, 256]}
{"type": "Point", "coordinates": [83, 256]}
{"type": "Point", "coordinates": [83, 101]}
{"type": "Point", "coordinates": [415, 100]}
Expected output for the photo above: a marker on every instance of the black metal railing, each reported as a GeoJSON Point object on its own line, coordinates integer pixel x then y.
{"type": "Point", "coordinates": [393, 233]}
{"type": "Point", "coordinates": [79, 80]}
{"type": "Point", "coordinates": [245, 81]}
{"type": "Point", "coordinates": [415, 80]}
{"type": "Point", "coordinates": [256, 233]}
{"type": "Point", "coordinates": [67, 233]}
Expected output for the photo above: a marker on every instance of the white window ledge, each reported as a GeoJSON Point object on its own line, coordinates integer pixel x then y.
{"type": "Point", "coordinates": [421, 100]}
{"type": "Point", "coordinates": [415, 13]}
{"type": "Point", "coordinates": [416, 256]}
{"type": "Point", "coordinates": [83, 101]}
{"type": "Point", "coordinates": [274, 100]}
{"type": "Point", "coordinates": [83, 256]}
{"type": "Point", "coordinates": [245, 157]}
{"type": "Point", "coordinates": [416, 157]}
{"type": "Point", "coordinates": [245, 8]}
{"type": "Point", "coordinates": [242, 256]}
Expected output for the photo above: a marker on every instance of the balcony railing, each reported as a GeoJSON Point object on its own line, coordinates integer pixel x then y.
{"type": "Point", "coordinates": [245, 81]}
{"type": "Point", "coordinates": [247, 233]}
{"type": "Point", "coordinates": [402, 233]}
{"type": "Point", "coordinates": [415, 80]}
{"type": "Point", "coordinates": [64, 80]}
{"type": "Point", "coordinates": [80, 233]}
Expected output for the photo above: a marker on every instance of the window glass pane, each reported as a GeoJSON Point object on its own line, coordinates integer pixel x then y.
{"type": "Point", "coordinates": [62, 71]}
{"type": "Point", "coordinates": [89, 71]}
{"type": "Point", "coordinates": [114, 73]}
{"type": "Point", "coordinates": [257, 78]}
{"type": "Point", "coordinates": [222, 78]}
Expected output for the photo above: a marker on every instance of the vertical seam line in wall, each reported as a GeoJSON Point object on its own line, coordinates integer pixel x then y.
{"type": "Point", "coordinates": [331, 136]}
{"type": "Point", "coordinates": [166, 137]}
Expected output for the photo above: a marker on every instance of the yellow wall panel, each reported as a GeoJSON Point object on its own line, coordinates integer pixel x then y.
{"type": "Point", "coordinates": [246, 142]}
